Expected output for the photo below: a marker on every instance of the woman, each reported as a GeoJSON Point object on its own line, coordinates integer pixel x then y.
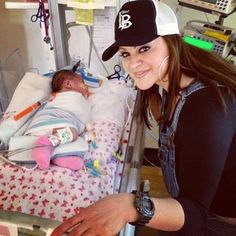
{"type": "Point", "coordinates": [196, 113]}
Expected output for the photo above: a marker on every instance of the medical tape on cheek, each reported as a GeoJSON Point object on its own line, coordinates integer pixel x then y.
{"type": "Point", "coordinates": [65, 135]}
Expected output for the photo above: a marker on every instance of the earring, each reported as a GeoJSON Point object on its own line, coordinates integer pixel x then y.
{"type": "Point", "coordinates": [160, 69]}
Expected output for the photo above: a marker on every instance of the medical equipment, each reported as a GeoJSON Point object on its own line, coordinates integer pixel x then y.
{"type": "Point", "coordinates": [212, 37]}
{"type": "Point", "coordinates": [118, 74]}
{"type": "Point", "coordinates": [29, 109]}
{"type": "Point", "coordinates": [223, 7]}
{"type": "Point", "coordinates": [43, 16]}
{"type": "Point", "coordinates": [88, 78]}
{"type": "Point", "coordinates": [40, 15]}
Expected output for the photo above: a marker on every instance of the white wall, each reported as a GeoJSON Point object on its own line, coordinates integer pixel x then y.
{"type": "Point", "coordinates": [17, 31]}
{"type": "Point", "coordinates": [79, 41]}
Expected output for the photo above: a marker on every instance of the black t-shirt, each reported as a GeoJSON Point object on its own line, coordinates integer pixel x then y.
{"type": "Point", "coordinates": [206, 158]}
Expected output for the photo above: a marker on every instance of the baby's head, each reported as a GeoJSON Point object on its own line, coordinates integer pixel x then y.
{"type": "Point", "coordinates": [66, 80]}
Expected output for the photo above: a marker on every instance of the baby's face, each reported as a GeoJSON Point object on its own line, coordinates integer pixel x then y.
{"type": "Point", "coordinates": [79, 85]}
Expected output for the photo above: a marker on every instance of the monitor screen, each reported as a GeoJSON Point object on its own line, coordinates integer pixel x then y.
{"type": "Point", "coordinates": [208, 46]}
{"type": "Point", "coordinates": [210, 1]}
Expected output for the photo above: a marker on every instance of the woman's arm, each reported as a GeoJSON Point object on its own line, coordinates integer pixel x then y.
{"type": "Point", "coordinates": [105, 217]}
{"type": "Point", "coordinates": [169, 215]}
{"type": "Point", "coordinates": [109, 215]}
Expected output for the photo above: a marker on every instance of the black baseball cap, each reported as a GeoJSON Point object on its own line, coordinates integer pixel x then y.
{"type": "Point", "coordinates": [139, 22]}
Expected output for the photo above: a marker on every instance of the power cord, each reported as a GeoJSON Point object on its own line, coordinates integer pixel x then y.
{"type": "Point", "coordinates": [151, 163]}
{"type": "Point", "coordinates": [92, 44]}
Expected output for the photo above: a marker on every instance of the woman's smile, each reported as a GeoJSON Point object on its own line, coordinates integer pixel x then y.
{"type": "Point", "coordinates": [141, 74]}
{"type": "Point", "coordinates": [146, 64]}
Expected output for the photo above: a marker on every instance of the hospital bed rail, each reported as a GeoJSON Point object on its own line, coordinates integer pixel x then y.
{"type": "Point", "coordinates": [131, 179]}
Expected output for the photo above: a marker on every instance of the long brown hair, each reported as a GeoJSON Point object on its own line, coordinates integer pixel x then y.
{"type": "Point", "coordinates": [204, 66]}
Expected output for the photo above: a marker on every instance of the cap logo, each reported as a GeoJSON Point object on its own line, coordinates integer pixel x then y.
{"type": "Point", "coordinates": [124, 20]}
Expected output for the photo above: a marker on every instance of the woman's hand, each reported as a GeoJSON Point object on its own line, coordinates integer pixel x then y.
{"type": "Point", "coordinates": [104, 218]}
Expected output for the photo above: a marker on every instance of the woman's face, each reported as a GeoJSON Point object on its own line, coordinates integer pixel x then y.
{"type": "Point", "coordinates": [147, 64]}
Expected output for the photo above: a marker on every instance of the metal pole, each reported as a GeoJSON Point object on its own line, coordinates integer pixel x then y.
{"type": "Point", "coordinates": [58, 29]}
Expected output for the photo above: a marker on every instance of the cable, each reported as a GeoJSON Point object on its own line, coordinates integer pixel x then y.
{"type": "Point", "coordinates": [206, 17]}
{"type": "Point", "coordinates": [90, 33]}
{"type": "Point", "coordinates": [14, 163]}
{"type": "Point", "coordinates": [151, 163]}
{"type": "Point", "coordinates": [129, 112]}
{"type": "Point", "coordinates": [92, 44]}
{"type": "Point", "coordinates": [96, 51]}
{"type": "Point", "coordinates": [152, 136]}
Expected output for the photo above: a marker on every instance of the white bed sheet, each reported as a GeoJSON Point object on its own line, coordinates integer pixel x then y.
{"type": "Point", "coordinates": [58, 193]}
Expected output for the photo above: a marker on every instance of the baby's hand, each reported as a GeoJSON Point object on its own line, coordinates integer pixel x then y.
{"type": "Point", "coordinates": [87, 93]}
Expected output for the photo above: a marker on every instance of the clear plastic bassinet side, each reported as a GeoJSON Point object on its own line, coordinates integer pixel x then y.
{"type": "Point", "coordinates": [11, 72]}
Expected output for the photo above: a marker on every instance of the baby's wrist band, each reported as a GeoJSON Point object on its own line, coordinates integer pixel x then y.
{"type": "Point", "coordinates": [65, 135]}
{"type": "Point", "coordinates": [61, 136]}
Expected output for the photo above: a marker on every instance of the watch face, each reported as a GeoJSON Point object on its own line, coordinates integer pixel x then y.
{"type": "Point", "coordinates": [147, 204]}
{"type": "Point", "coordinates": [145, 208]}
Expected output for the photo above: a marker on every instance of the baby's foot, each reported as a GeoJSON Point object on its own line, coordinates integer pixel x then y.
{"type": "Point", "coordinates": [70, 162]}
{"type": "Point", "coordinates": [42, 152]}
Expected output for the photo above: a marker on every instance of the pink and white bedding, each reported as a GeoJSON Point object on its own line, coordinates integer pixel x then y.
{"type": "Point", "coordinates": [58, 193]}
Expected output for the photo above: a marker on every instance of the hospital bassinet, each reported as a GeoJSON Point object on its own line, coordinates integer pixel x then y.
{"type": "Point", "coordinates": [35, 201]}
